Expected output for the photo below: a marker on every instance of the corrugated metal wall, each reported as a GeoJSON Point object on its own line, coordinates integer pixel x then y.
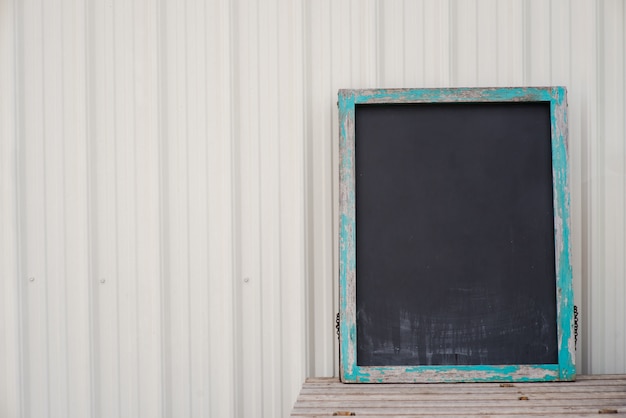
{"type": "Point", "coordinates": [168, 184]}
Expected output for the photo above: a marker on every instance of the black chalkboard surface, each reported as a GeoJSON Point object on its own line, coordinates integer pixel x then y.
{"type": "Point", "coordinates": [454, 234]}
{"type": "Point", "coordinates": [448, 238]}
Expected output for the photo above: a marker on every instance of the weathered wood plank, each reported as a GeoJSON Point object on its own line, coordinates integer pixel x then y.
{"type": "Point", "coordinates": [464, 396]}
{"type": "Point", "coordinates": [521, 401]}
{"type": "Point", "coordinates": [575, 390]}
{"type": "Point", "coordinates": [456, 415]}
{"type": "Point", "coordinates": [468, 391]}
{"type": "Point", "coordinates": [483, 386]}
{"type": "Point", "coordinates": [469, 411]}
{"type": "Point", "coordinates": [604, 377]}
{"type": "Point", "coordinates": [580, 379]}
{"type": "Point", "coordinates": [588, 396]}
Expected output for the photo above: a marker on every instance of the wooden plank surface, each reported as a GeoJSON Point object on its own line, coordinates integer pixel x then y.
{"type": "Point", "coordinates": [587, 396]}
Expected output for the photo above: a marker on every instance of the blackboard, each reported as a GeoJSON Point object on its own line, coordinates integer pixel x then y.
{"type": "Point", "coordinates": [454, 245]}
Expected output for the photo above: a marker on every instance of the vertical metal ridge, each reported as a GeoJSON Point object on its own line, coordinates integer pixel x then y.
{"type": "Point", "coordinates": [233, 49]}
{"type": "Point", "coordinates": [616, 182]}
{"type": "Point", "coordinates": [256, 401]}
{"type": "Point", "coordinates": [32, 173]}
{"type": "Point", "coordinates": [187, 228]}
{"type": "Point", "coordinates": [91, 195]}
{"type": "Point", "coordinates": [135, 215]}
{"type": "Point", "coordinates": [19, 202]}
{"type": "Point", "coordinates": [18, 102]}
{"type": "Point", "coordinates": [291, 222]}
{"type": "Point", "coordinates": [269, 165]}
{"type": "Point", "coordinates": [222, 208]}
{"type": "Point", "coordinates": [161, 86]}
{"type": "Point", "coordinates": [88, 62]}
{"type": "Point", "coordinates": [115, 209]}
{"type": "Point", "coordinates": [230, 92]}
{"type": "Point", "coordinates": [19, 205]}
{"type": "Point", "coordinates": [249, 285]}
{"type": "Point", "coordinates": [198, 192]}
{"type": "Point", "coordinates": [121, 109]}
{"type": "Point", "coordinates": [10, 363]}
{"type": "Point", "coordinates": [453, 43]}
{"type": "Point", "coordinates": [235, 186]}
{"type": "Point", "coordinates": [306, 46]}
{"type": "Point", "coordinates": [209, 215]}
{"type": "Point", "coordinates": [135, 212]}
{"type": "Point", "coordinates": [598, 291]}
{"type": "Point", "coordinates": [453, 48]}
{"type": "Point", "coordinates": [46, 277]}
{"type": "Point", "coordinates": [310, 45]}
{"type": "Point", "coordinates": [18, 68]}
{"type": "Point", "coordinates": [283, 126]}
{"type": "Point", "coordinates": [162, 266]}
{"type": "Point", "coordinates": [592, 178]}
{"type": "Point", "coordinates": [620, 292]}
{"type": "Point", "coordinates": [585, 235]}
{"type": "Point", "coordinates": [621, 297]}
{"type": "Point", "coordinates": [524, 48]}
{"type": "Point", "coordinates": [65, 134]}
{"type": "Point", "coordinates": [166, 78]}
{"type": "Point", "coordinates": [332, 181]}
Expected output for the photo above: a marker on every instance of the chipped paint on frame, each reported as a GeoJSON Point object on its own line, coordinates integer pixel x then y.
{"type": "Point", "coordinates": [350, 371]}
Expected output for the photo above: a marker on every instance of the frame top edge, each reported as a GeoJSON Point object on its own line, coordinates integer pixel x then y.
{"type": "Point", "coordinates": [452, 94]}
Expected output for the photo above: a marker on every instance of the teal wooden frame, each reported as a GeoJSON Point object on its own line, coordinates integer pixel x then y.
{"type": "Point", "coordinates": [353, 373]}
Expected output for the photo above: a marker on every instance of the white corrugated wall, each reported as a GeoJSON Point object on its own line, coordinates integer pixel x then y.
{"type": "Point", "coordinates": [168, 185]}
